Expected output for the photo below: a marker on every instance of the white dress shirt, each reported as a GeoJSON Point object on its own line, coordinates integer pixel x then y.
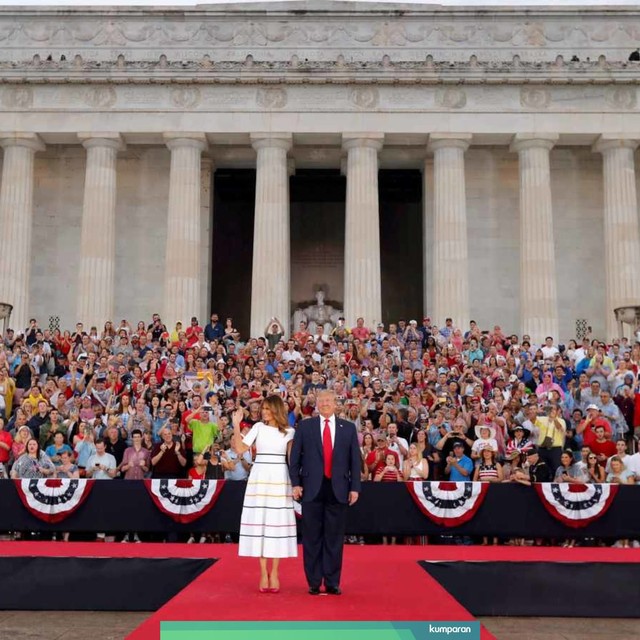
{"type": "Point", "coordinates": [332, 429]}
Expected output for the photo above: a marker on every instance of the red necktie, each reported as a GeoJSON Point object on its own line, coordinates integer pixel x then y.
{"type": "Point", "coordinates": [327, 448]}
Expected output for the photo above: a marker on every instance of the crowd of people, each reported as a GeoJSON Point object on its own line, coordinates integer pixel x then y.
{"type": "Point", "coordinates": [429, 402]}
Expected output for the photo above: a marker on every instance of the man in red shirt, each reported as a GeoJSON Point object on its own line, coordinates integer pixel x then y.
{"type": "Point", "coordinates": [360, 331]}
{"type": "Point", "coordinates": [376, 458]}
{"type": "Point", "coordinates": [602, 447]}
{"type": "Point", "coordinates": [301, 335]}
{"type": "Point", "coordinates": [5, 444]}
{"type": "Point", "coordinates": [194, 328]}
{"type": "Point", "coordinates": [588, 426]}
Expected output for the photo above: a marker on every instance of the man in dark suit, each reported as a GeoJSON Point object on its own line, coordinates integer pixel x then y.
{"type": "Point", "coordinates": [325, 474]}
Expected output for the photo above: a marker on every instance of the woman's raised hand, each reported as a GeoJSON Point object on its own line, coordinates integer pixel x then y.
{"type": "Point", "coordinates": [238, 414]}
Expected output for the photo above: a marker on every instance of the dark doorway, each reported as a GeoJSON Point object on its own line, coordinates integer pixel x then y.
{"type": "Point", "coordinates": [232, 245]}
{"type": "Point", "coordinates": [317, 236]}
{"type": "Point", "coordinates": [401, 244]}
{"type": "Point", "coordinates": [317, 199]}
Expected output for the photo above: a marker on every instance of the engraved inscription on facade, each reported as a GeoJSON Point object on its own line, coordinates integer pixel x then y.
{"type": "Point", "coordinates": [271, 98]}
{"type": "Point", "coordinates": [451, 98]}
{"type": "Point", "coordinates": [100, 97]}
{"type": "Point", "coordinates": [17, 97]}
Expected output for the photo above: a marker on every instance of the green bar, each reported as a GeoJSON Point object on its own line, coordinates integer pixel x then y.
{"type": "Point", "coordinates": [365, 630]}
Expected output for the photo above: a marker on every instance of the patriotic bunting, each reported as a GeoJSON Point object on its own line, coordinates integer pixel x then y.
{"type": "Point", "coordinates": [54, 499]}
{"type": "Point", "coordinates": [448, 503]}
{"type": "Point", "coordinates": [184, 500]}
{"type": "Point", "coordinates": [576, 505]}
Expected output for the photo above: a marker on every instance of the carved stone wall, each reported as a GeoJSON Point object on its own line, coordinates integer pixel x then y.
{"type": "Point", "coordinates": [536, 98]}
{"type": "Point", "coordinates": [318, 31]}
{"type": "Point", "coordinates": [318, 58]}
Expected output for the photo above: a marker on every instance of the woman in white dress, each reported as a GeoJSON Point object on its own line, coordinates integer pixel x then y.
{"type": "Point", "coordinates": [268, 523]}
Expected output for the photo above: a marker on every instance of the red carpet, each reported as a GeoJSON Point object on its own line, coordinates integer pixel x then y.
{"type": "Point", "coordinates": [379, 583]}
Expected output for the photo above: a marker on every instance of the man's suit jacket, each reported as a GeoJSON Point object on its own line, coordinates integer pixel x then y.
{"type": "Point", "coordinates": [307, 459]}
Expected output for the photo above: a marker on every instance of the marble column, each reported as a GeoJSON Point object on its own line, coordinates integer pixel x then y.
{"type": "Point", "coordinates": [96, 276]}
{"type": "Point", "coordinates": [538, 288]}
{"type": "Point", "coordinates": [621, 233]}
{"type": "Point", "coordinates": [427, 220]}
{"type": "Point", "coordinates": [450, 245]}
{"type": "Point", "coordinates": [16, 222]}
{"type": "Point", "coordinates": [362, 279]}
{"type": "Point", "coordinates": [182, 281]}
{"type": "Point", "coordinates": [271, 276]}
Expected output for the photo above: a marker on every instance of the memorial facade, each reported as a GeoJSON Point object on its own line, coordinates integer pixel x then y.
{"type": "Point", "coordinates": [126, 132]}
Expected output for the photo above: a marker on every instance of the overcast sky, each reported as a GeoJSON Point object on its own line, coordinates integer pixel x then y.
{"type": "Point", "coordinates": [190, 3]}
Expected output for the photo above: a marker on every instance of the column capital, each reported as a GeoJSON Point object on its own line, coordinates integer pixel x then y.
{"type": "Point", "coordinates": [608, 141]}
{"type": "Point", "coordinates": [17, 139]}
{"type": "Point", "coordinates": [102, 139]}
{"type": "Point", "coordinates": [449, 141]}
{"type": "Point", "coordinates": [207, 163]}
{"type": "Point", "coordinates": [522, 141]}
{"type": "Point", "coordinates": [367, 140]}
{"type": "Point", "coordinates": [278, 140]}
{"type": "Point", "coordinates": [174, 140]}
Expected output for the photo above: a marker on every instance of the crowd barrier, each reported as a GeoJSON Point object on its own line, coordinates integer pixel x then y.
{"type": "Point", "coordinates": [506, 510]}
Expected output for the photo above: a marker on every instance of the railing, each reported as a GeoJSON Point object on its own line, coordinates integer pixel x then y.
{"type": "Point", "coordinates": [508, 510]}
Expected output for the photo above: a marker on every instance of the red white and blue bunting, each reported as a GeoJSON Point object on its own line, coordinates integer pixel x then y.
{"type": "Point", "coordinates": [53, 499]}
{"type": "Point", "coordinates": [448, 503]}
{"type": "Point", "coordinates": [576, 505]}
{"type": "Point", "coordinates": [184, 500]}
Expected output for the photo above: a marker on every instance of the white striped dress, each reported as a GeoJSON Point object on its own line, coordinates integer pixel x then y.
{"type": "Point", "coordinates": [268, 522]}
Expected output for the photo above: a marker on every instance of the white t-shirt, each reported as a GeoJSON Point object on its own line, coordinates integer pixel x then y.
{"type": "Point", "coordinates": [481, 443]}
{"type": "Point", "coordinates": [625, 462]}
{"type": "Point", "coordinates": [291, 355]}
{"type": "Point", "coordinates": [394, 446]}
{"type": "Point", "coordinates": [106, 460]}
{"type": "Point", "coordinates": [579, 354]}
{"type": "Point", "coordinates": [632, 463]}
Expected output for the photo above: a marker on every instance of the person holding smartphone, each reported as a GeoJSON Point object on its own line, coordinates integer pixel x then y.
{"type": "Point", "coordinates": [101, 465]}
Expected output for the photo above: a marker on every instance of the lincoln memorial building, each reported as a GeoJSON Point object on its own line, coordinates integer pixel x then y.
{"type": "Point", "coordinates": [405, 160]}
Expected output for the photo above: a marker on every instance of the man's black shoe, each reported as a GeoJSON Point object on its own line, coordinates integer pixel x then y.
{"type": "Point", "coordinates": [334, 591]}
{"type": "Point", "coordinates": [314, 591]}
